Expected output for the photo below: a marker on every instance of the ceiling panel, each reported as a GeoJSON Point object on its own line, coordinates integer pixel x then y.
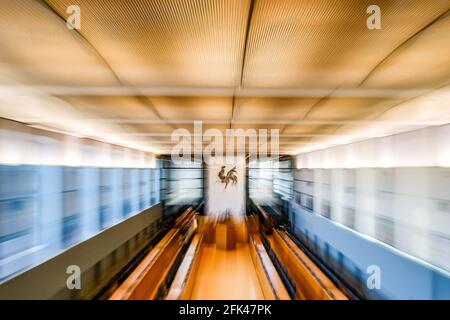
{"type": "Point", "coordinates": [257, 127]}
{"type": "Point", "coordinates": [161, 42]}
{"type": "Point", "coordinates": [148, 127]}
{"type": "Point", "coordinates": [350, 108]}
{"type": "Point", "coordinates": [423, 61]}
{"type": "Point", "coordinates": [113, 107]}
{"type": "Point", "coordinates": [432, 106]}
{"type": "Point", "coordinates": [187, 53]}
{"type": "Point", "coordinates": [204, 126]}
{"type": "Point", "coordinates": [193, 108]}
{"type": "Point", "coordinates": [327, 43]}
{"type": "Point", "coordinates": [38, 49]}
{"type": "Point", "coordinates": [300, 128]}
{"type": "Point", "coordinates": [272, 108]}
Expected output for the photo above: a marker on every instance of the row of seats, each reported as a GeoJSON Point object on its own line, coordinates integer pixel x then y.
{"type": "Point", "coordinates": [308, 280]}
{"type": "Point", "coordinates": [151, 279]}
{"type": "Point", "coordinates": [271, 284]}
{"type": "Point", "coordinates": [183, 283]}
{"type": "Point", "coordinates": [166, 272]}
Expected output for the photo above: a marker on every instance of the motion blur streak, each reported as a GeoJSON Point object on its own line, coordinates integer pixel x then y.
{"type": "Point", "coordinates": [58, 190]}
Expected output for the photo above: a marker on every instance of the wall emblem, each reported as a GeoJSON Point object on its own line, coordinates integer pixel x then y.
{"type": "Point", "coordinates": [229, 177]}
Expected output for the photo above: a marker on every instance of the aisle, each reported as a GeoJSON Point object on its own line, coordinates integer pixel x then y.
{"type": "Point", "coordinates": [227, 275]}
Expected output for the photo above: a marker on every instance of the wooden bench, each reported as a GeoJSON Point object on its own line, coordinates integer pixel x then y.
{"type": "Point", "coordinates": [271, 284]}
{"type": "Point", "coordinates": [310, 282]}
{"type": "Point", "coordinates": [149, 278]}
{"type": "Point", "coordinates": [183, 283]}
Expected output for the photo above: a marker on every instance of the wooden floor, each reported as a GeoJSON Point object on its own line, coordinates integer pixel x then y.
{"type": "Point", "coordinates": [226, 275]}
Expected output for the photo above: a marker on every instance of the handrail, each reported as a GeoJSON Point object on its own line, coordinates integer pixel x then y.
{"type": "Point", "coordinates": [182, 285]}
{"type": "Point", "coordinates": [271, 283]}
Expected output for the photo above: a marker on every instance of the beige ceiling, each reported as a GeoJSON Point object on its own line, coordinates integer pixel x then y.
{"type": "Point", "coordinates": [137, 70]}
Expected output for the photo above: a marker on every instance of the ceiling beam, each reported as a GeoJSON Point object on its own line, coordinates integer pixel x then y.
{"type": "Point", "coordinates": [124, 90]}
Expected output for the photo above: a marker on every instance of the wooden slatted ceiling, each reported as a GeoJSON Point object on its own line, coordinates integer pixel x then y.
{"type": "Point", "coordinates": [185, 45]}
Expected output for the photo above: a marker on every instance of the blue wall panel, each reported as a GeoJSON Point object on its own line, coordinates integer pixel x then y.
{"type": "Point", "coordinates": [47, 209]}
{"type": "Point", "coordinates": [402, 276]}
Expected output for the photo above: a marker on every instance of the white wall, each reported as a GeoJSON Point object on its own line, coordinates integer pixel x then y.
{"type": "Point", "coordinates": [401, 183]}
{"type": "Point", "coordinates": [428, 147]}
{"type": "Point", "coordinates": [233, 197]}
{"type": "Point", "coordinates": [21, 144]}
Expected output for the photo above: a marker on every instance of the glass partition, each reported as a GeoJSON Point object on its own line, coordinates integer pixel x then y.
{"type": "Point", "coordinates": [46, 209]}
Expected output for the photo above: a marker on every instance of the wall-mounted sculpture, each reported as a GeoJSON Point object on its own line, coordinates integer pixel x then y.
{"type": "Point", "coordinates": [229, 177]}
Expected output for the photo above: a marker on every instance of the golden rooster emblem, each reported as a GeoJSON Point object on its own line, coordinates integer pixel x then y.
{"type": "Point", "coordinates": [229, 177]}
